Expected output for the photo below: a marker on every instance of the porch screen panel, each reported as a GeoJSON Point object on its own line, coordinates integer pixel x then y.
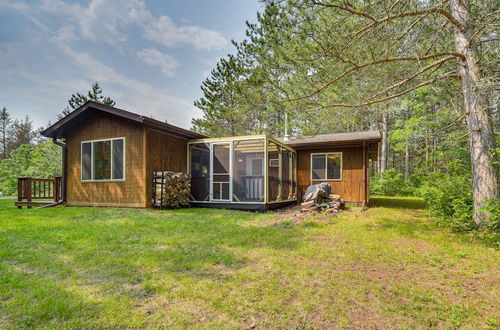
{"type": "Point", "coordinates": [102, 160]}
{"type": "Point", "coordinates": [248, 171]}
{"type": "Point", "coordinates": [221, 170]}
{"type": "Point", "coordinates": [87, 161]}
{"type": "Point", "coordinates": [286, 178]}
{"type": "Point", "coordinates": [273, 171]}
{"type": "Point", "coordinates": [200, 171]}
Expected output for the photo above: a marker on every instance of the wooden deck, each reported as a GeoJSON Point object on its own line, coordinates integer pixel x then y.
{"type": "Point", "coordinates": [38, 192]}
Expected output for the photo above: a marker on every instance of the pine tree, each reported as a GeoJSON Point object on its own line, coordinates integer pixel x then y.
{"type": "Point", "coordinates": [21, 132]}
{"type": "Point", "coordinates": [77, 100]}
{"type": "Point", "coordinates": [221, 114]}
{"type": "Point", "coordinates": [5, 123]}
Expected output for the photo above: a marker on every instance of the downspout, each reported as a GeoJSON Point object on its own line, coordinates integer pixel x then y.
{"type": "Point", "coordinates": [64, 165]}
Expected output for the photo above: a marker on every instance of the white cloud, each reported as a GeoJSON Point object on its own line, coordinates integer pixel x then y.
{"type": "Point", "coordinates": [132, 94]}
{"type": "Point", "coordinates": [164, 31]}
{"type": "Point", "coordinates": [105, 20]}
{"type": "Point", "coordinates": [66, 34]}
{"type": "Point", "coordinates": [154, 57]}
{"type": "Point", "coordinates": [10, 5]}
{"type": "Point", "coordinates": [102, 19]}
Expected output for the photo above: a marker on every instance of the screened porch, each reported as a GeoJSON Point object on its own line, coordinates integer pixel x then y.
{"type": "Point", "coordinates": [249, 172]}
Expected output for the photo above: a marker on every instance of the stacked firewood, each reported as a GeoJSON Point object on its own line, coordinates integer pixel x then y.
{"type": "Point", "coordinates": [170, 189]}
{"type": "Point", "coordinates": [318, 197]}
{"type": "Point", "coordinates": [333, 203]}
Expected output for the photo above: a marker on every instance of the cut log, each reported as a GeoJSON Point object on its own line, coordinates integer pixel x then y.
{"type": "Point", "coordinates": [308, 204]}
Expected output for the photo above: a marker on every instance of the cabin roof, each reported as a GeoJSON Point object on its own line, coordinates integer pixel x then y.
{"type": "Point", "coordinates": [90, 108]}
{"type": "Point", "coordinates": [322, 140]}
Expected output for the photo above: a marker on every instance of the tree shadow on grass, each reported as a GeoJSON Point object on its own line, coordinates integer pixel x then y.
{"type": "Point", "coordinates": [398, 203]}
{"type": "Point", "coordinates": [415, 228]}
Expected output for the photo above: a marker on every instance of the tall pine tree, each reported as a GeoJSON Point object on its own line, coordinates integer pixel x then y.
{"type": "Point", "coordinates": [77, 100]}
{"type": "Point", "coordinates": [5, 123]}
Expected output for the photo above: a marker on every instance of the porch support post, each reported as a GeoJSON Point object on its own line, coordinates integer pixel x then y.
{"type": "Point", "coordinates": [365, 185]}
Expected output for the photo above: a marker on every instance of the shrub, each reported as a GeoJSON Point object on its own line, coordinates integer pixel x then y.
{"type": "Point", "coordinates": [493, 208]}
{"type": "Point", "coordinates": [391, 183]}
{"type": "Point", "coordinates": [449, 197]}
{"type": "Point", "coordinates": [37, 161]}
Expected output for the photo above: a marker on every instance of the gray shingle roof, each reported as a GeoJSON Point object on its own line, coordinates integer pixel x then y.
{"type": "Point", "coordinates": [335, 138]}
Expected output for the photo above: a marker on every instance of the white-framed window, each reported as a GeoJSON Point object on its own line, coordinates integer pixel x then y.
{"type": "Point", "coordinates": [326, 166]}
{"type": "Point", "coordinates": [274, 162]}
{"type": "Point", "coordinates": [103, 160]}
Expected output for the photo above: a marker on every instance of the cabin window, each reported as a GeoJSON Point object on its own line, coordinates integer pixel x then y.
{"type": "Point", "coordinates": [326, 166]}
{"type": "Point", "coordinates": [103, 160]}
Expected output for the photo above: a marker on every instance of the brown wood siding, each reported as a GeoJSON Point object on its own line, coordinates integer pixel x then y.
{"type": "Point", "coordinates": [165, 153]}
{"type": "Point", "coordinates": [128, 193]}
{"type": "Point", "coordinates": [351, 187]}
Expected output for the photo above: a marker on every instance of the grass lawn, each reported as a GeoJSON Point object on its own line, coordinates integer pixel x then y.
{"type": "Point", "coordinates": [387, 267]}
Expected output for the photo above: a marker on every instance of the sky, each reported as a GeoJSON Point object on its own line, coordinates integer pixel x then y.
{"type": "Point", "coordinates": [149, 56]}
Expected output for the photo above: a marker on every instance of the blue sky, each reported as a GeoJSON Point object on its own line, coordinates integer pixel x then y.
{"type": "Point", "coordinates": [149, 56]}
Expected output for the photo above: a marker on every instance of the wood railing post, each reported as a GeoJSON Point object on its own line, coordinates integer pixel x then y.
{"type": "Point", "coordinates": [29, 191]}
{"type": "Point", "coordinates": [20, 191]}
{"type": "Point", "coordinates": [54, 191]}
{"type": "Point", "coordinates": [57, 188]}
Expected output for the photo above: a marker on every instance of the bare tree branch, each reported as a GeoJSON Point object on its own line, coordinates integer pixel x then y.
{"type": "Point", "coordinates": [387, 60]}
{"type": "Point", "coordinates": [436, 10]}
{"type": "Point", "coordinates": [413, 76]}
{"type": "Point", "coordinates": [425, 83]}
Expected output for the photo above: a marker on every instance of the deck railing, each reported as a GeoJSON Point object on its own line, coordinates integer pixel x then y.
{"type": "Point", "coordinates": [29, 189]}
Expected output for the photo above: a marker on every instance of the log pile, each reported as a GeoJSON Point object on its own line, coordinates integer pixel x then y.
{"type": "Point", "coordinates": [170, 189]}
{"type": "Point", "coordinates": [332, 203]}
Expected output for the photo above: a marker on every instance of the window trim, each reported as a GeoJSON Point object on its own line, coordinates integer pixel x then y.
{"type": "Point", "coordinates": [326, 166]}
{"type": "Point", "coordinates": [92, 159]}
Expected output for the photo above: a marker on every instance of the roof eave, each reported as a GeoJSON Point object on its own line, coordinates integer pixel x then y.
{"type": "Point", "coordinates": [56, 130]}
{"type": "Point", "coordinates": [320, 144]}
{"type": "Point", "coordinates": [171, 129]}
{"type": "Point", "coordinates": [52, 130]}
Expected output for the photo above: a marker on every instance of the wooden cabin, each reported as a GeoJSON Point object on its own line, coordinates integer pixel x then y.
{"type": "Point", "coordinates": [110, 155]}
{"type": "Point", "coordinates": [340, 159]}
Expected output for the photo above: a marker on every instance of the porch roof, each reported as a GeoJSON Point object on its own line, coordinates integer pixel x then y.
{"type": "Point", "coordinates": [335, 139]}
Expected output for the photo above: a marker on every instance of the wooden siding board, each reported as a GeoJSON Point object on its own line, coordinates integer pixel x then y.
{"type": "Point", "coordinates": [350, 188]}
{"type": "Point", "coordinates": [120, 193]}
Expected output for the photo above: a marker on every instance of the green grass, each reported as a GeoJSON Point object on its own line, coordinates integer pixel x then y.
{"type": "Point", "coordinates": [387, 267]}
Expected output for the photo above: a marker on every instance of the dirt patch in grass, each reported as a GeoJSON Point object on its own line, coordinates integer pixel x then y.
{"type": "Point", "coordinates": [293, 216]}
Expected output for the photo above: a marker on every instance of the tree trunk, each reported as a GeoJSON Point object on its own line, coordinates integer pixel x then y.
{"type": "Point", "coordinates": [407, 148]}
{"type": "Point", "coordinates": [4, 143]}
{"type": "Point", "coordinates": [433, 139]}
{"type": "Point", "coordinates": [385, 146]}
{"type": "Point", "coordinates": [479, 126]}
{"type": "Point", "coordinates": [379, 157]}
{"type": "Point", "coordinates": [407, 158]}
{"type": "Point", "coordinates": [427, 147]}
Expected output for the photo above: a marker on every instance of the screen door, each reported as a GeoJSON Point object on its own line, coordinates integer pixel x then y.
{"type": "Point", "coordinates": [221, 171]}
